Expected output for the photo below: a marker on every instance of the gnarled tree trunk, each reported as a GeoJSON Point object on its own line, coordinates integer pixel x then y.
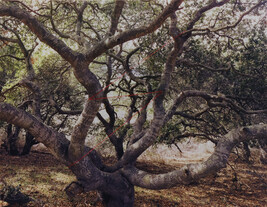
{"type": "Point", "coordinates": [116, 183]}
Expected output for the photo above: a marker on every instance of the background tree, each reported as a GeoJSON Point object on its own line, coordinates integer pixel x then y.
{"type": "Point", "coordinates": [201, 83]}
{"type": "Point", "coordinates": [34, 88]}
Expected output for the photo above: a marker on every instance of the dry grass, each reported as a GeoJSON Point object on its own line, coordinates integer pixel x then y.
{"type": "Point", "coordinates": [43, 178]}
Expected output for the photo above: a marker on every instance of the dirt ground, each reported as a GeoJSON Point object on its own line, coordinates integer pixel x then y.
{"type": "Point", "coordinates": [43, 178]}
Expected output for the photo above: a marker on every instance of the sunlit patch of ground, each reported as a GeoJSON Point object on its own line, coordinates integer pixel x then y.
{"type": "Point", "coordinates": [190, 150]}
{"type": "Point", "coordinates": [43, 178]}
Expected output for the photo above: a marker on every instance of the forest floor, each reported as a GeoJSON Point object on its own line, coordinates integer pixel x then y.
{"type": "Point", "coordinates": [43, 178]}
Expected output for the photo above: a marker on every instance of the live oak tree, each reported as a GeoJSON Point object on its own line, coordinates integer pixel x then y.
{"type": "Point", "coordinates": [191, 83]}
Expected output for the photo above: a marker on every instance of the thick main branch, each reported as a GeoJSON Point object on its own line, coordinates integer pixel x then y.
{"type": "Point", "coordinates": [192, 172]}
{"type": "Point", "coordinates": [54, 141]}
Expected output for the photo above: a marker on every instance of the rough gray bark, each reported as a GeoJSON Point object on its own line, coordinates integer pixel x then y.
{"type": "Point", "coordinates": [116, 183]}
{"type": "Point", "coordinates": [192, 172]}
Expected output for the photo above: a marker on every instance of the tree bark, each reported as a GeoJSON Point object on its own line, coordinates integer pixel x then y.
{"type": "Point", "coordinates": [29, 142]}
{"type": "Point", "coordinates": [116, 185]}
{"type": "Point", "coordinates": [120, 192]}
{"type": "Point", "coordinates": [114, 188]}
{"type": "Point", "coordinates": [192, 172]}
{"type": "Point", "coordinates": [12, 140]}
